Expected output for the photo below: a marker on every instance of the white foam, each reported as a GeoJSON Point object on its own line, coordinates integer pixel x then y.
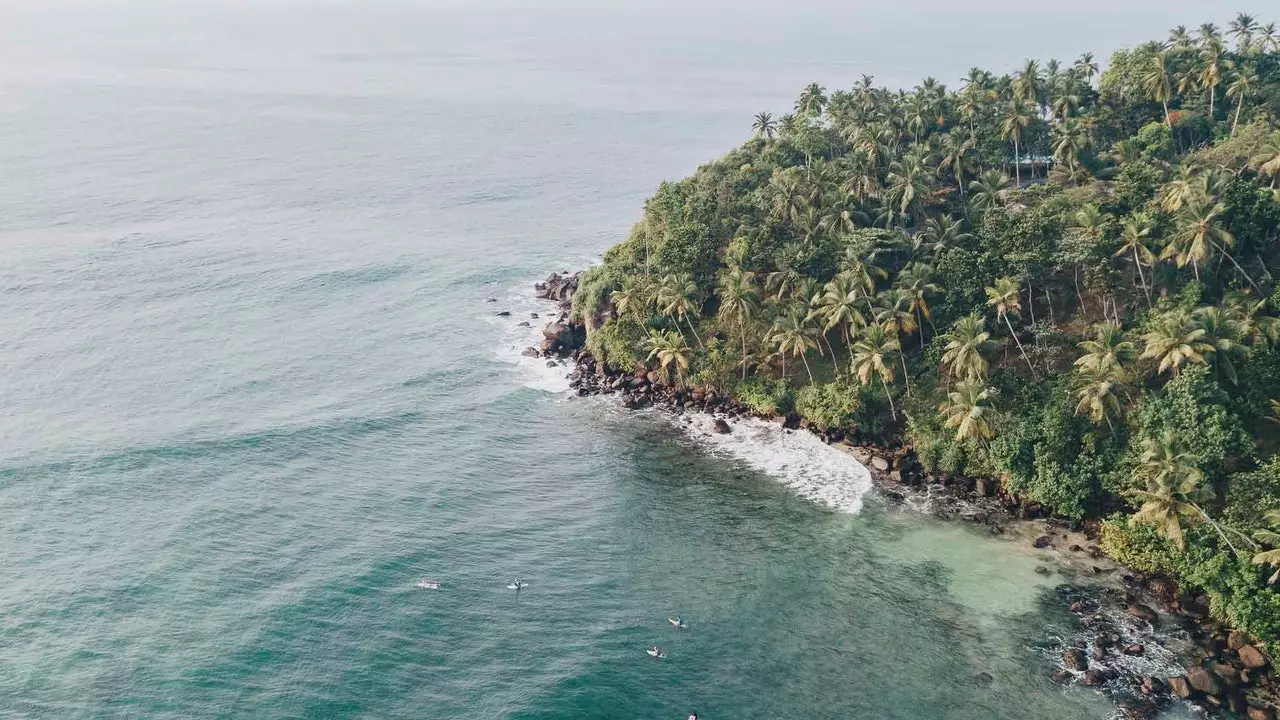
{"type": "Point", "coordinates": [513, 339]}
{"type": "Point", "coordinates": [812, 469]}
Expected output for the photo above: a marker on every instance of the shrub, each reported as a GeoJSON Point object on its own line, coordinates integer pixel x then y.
{"type": "Point", "coordinates": [765, 396]}
{"type": "Point", "coordinates": [617, 344]}
{"type": "Point", "coordinates": [829, 405]}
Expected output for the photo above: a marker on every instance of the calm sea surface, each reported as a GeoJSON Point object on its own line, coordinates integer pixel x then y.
{"type": "Point", "coordinates": [252, 391]}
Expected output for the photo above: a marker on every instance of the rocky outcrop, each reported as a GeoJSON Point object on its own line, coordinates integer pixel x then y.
{"type": "Point", "coordinates": [1074, 659]}
{"type": "Point", "coordinates": [1203, 681]}
{"type": "Point", "coordinates": [559, 288]}
{"type": "Point", "coordinates": [1251, 657]}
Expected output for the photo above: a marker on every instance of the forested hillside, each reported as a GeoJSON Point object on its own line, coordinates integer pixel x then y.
{"type": "Point", "coordinates": [1054, 277]}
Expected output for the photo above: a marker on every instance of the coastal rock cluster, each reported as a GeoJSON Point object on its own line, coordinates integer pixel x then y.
{"type": "Point", "coordinates": [1223, 670]}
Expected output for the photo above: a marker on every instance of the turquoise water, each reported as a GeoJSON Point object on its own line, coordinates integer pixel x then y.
{"type": "Point", "coordinates": [253, 392]}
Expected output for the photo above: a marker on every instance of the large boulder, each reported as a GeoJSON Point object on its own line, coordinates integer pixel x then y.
{"type": "Point", "coordinates": [1042, 542]}
{"type": "Point", "coordinates": [1143, 612]}
{"type": "Point", "coordinates": [560, 338]}
{"type": "Point", "coordinates": [1180, 687]}
{"type": "Point", "coordinates": [721, 427]}
{"type": "Point", "coordinates": [1074, 659]}
{"type": "Point", "coordinates": [880, 463]}
{"type": "Point", "coordinates": [1261, 713]}
{"type": "Point", "coordinates": [1251, 657]}
{"type": "Point", "coordinates": [1203, 681]}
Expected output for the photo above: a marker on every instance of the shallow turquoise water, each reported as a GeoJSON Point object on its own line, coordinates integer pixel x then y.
{"type": "Point", "coordinates": [252, 393]}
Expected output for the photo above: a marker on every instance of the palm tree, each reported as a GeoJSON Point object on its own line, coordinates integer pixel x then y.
{"type": "Point", "coordinates": [812, 100]}
{"type": "Point", "coordinates": [838, 307]}
{"type": "Point", "coordinates": [676, 299]}
{"type": "Point", "coordinates": [1180, 39]}
{"type": "Point", "coordinates": [942, 233]}
{"type": "Point", "coordinates": [1096, 393]}
{"type": "Point", "coordinates": [1086, 67]}
{"type": "Point", "coordinates": [968, 410]}
{"type": "Point", "coordinates": [1004, 296]}
{"type": "Point", "coordinates": [1181, 190]}
{"type": "Point", "coordinates": [1223, 334]}
{"type": "Point", "coordinates": [739, 304]}
{"type": "Point", "coordinates": [1171, 485]}
{"type": "Point", "coordinates": [764, 126]}
{"type": "Point", "coordinates": [1173, 341]}
{"type": "Point", "coordinates": [987, 190]}
{"type": "Point", "coordinates": [671, 351]}
{"type": "Point", "coordinates": [1157, 82]}
{"type": "Point", "coordinates": [1026, 84]}
{"type": "Point", "coordinates": [1249, 315]}
{"type": "Point", "coordinates": [955, 157]}
{"type": "Point", "coordinates": [1200, 230]}
{"type": "Point", "coordinates": [1211, 72]}
{"type": "Point", "coordinates": [791, 335]}
{"type": "Point", "coordinates": [632, 299]}
{"type": "Point", "coordinates": [1109, 350]}
{"type": "Point", "coordinates": [913, 283]}
{"type": "Point", "coordinates": [873, 354]}
{"type": "Point", "coordinates": [894, 314]}
{"type": "Point", "coordinates": [1270, 536]}
{"type": "Point", "coordinates": [1242, 29]}
{"type": "Point", "coordinates": [968, 344]}
{"type": "Point", "coordinates": [1017, 116]}
{"type": "Point", "coordinates": [1134, 236]}
{"type": "Point", "coordinates": [1071, 139]}
{"type": "Point", "coordinates": [908, 182]}
{"type": "Point", "coordinates": [1242, 84]}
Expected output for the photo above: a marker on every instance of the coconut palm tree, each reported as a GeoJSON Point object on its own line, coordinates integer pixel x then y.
{"type": "Point", "coordinates": [956, 153]}
{"type": "Point", "coordinates": [1070, 140]}
{"type": "Point", "coordinates": [913, 283]}
{"type": "Point", "coordinates": [968, 410]}
{"type": "Point", "coordinates": [1171, 486]}
{"type": "Point", "coordinates": [838, 308]}
{"type": "Point", "coordinates": [1157, 83]}
{"type": "Point", "coordinates": [1211, 66]}
{"type": "Point", "coordinates": [894, 314]}
{"type": "Point", "coordinates": [1109, 350]}
{"type": "Point", "coordinates": [1004, 296]}
{"type": "Point", "coordinates": [1017, 116]}
{"type": "Point", "coordinates": [1086, 67]}
{"type": "Point", "coordinates": [1256, 327]}
{"type": "Point", "coordinates": [739, 304]}
{"type": "Point", "coordinates": [1242, 84]}
{"type": "Point", "coordinates": [1180, 39]}
{"type": "Point", "coordinates": [812, 100]}
{"type": "Point", "coordinates": [791, 335]}
{"type": "Point", "coordinates": [1173, 341]}
{"type": "Point", "coordinates": [764, 126]}
{"type": "Point", "coordinates": [1096, 393]}
{"type": "Point", "coordinates": [633, 299]}
{"type": "Point", "coordinates": [939, 234]}
{"type": "Point", "coordinates": [987, 190]}
{"type": "Point", "coordinates": [1242, 29]}
{"type": "Point", "coordinates": [1134, 236]}
{"type": "Point", "coordinates": [1200, 231]}
{"type": "Point", "coordinates": [1026, 83]}
{"type": "Point", "coordinates": [1182, 189]}
{"type": "Point", "coordinates": [1224, 335]}
{"type": "Point", "coordinates": [672, 353]}
{"type": "Point", "coordinates": [908, 184]}
{"type": "Point", "coordinates": [967, 348]}
{"type": "Point", "coordinates": [1270, 536]}
{"type": "Point", "coordinates": [874, 353]}
{"type": "Point", "coordinates": [676, 299]}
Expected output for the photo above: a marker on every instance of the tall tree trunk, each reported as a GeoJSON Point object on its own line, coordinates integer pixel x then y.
{"type": "Point", "coordinates": [1239, 107]}
{"type": "Point", "coordinates": [744, 353]}
{"type": "Point", "coordinates": [1195, 266]}
{"type": "Point", "coordinates": [905, 380]}
{"type": "Point", "coordinates": [1017, 166]}
{"type": "Point", "coordinates": [805, 360]}
{"type": "Point", "coordinates": [1211, 94]}
{"type": "Point", "coordinates": [695, 332]}
{"type": "Point", "coordinates": [1168, 121]}
{"type": "Point", "coordinates": [1141, 279]}
{"type": "Point", "coordinates": [1227, 255]}
{"type": "Point", "coordinates": [1020, 348]}
{"type": "Point", "coordinates": [889, 394]}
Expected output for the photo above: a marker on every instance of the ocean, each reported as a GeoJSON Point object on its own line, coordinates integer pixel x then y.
{"type": "Point", "coordinates": [254, 390]}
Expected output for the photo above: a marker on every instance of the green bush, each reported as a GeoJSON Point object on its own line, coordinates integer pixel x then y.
{"type": "Point", "coordinates": [617, 344]}
{"type": "Point", "coordinates": [765, 395]}
{"type": "Point", "coordinates": [829, 405]}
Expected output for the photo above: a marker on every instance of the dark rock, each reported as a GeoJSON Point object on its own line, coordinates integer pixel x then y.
{"type": "Point", "coordinates": [1143, 612]}
{"type": "Point", "coordinates": [1099, 654]}
{"type": "Point", "coordinates": [1180, 687]}
{"type": "Point", "coordinates": [1194, 607]}
{"type": "Point", "coordinates": [1251, 657]}
{"type": "Point", "coordinates": [1078, 607]}
{"type": "Point", "coordinates": [1151, 685]}
{"type": "Point", "coordinates": [1260, 713]}
{"type": "Point", "coordinates": [533, 316]}
{"type": "Point", "coordinates": [880, 464]}
{"type": "Point", "coordinates": [1133, 649]}
{"type": "Point", "coordinates": [552, 363]}
{"type": "Point", "coordinates": [1074, 659]}
{"type": "Point", "coordinates": [1203, 681]}
{"type": "Point", "coordinates": [984, 679]}
{"type": "Point", "coordinates": [524, 323]}
{"type": "Point", "coordinates": [1237, 640]}
{"type": "Point", "coordinates": [1042, 570]}
{"type": "Point", "coordinates": [983, 487]}
{"type": "Point", "coordinates": [504, 313]}
{"type": "Point", "coordinates": [1228, 673]}
{"type": "Point", "coordinates": [1042, 542]}
{"type": "Point", "coordinates": [1076, 548]}
{"type": "Point", "coordinates": [721, 427]}
{"type": "Point", "coordinates": [1093, 677]}
{"type": "Point", "coordinates": [530, 352]}
{"type": "Point", "coordinates": [1062, 676]}
{"type": "Point", "coordinates": [491, 299]}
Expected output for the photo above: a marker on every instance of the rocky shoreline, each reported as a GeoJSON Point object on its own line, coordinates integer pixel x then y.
{"type": "Point", "coordinates": [1123, 616]}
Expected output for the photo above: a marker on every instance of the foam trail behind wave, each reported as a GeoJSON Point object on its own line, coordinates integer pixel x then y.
{"type": "Point", "coordinates": [803, 462]}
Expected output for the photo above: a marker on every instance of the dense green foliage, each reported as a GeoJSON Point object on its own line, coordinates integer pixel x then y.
{"type": "Point", "coordinates": [1057, 277]}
